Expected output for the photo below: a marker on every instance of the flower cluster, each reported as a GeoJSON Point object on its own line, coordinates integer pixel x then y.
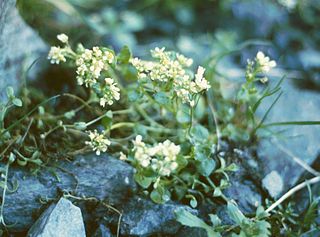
{"type": "Point", "coordinates": [264, 62]}
{"type": "Point", "coordinates": [172, 67]}
{"type": "Point", "coordinates": [161, 158]}
{"type": "Point", "coordinates": [110, 92]}
{"type": "Point", "coordinates": [261, 64]}
{"type": "Point", "coordinates": [98, 142]}
{"type": "Point", "coordinates": [57, 54]}
{"type": "Point", "coordinates": [91, 64]}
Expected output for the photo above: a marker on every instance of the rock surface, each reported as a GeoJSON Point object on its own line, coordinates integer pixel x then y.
{"type": "Point", "coordinates": [19, 46]}
{"type": "Point", "coordinates": [102, 177]}
{"type": "Point", "coordinates": [102, 231]}
{"type": "Point", "coordinates": [142, 217]}
{"type": "Point", "coordinates": [61, 219]}
{"type": "Point", "coordinates": [244, 182]}
{"type": "Point", "coordinates": [302, 141]}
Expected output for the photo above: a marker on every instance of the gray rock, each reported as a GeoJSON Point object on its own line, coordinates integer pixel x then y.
{"type": "Point", "coordinates": [302, 141]}
{"type": "Point", "coordinates": [61, 219]}
{"type": "Point", "coordinates": [191, 232]}
{"type": "Point", "coordinates": [19, 46]}
{"type": "Point", "coordinates": [102, 231]}
{"type": "Point", "coordinates": [102, 177]}
{"type": "Point", "coordinates": [273, 183]}
{"type": "Point", "coordinates": [244, 182]}
{"type": "Point", "coordinates": [142, 217]}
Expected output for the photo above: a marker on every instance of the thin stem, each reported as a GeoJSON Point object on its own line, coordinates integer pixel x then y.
{"type": "Point", "coordinates": [95, 120]}
{"type": "Point", "coordinates": [124, 111]}
{"type": "Point", "coordinates": [147, 117]}
{"type": "Point", "coordinates": [292, 191]}
{"type": "Point", "coordinates": [5, 187]}
{"type": "Point", "coordinates": [215, 118]}
{"type": "Point", "coordinates": [131, 125]}
{"type": "Point", "coordinates": [25, 134]}
{"type": "Point", "coordinates": [214, 186]}
{"type": "Point", "coordinates": [122, 124]}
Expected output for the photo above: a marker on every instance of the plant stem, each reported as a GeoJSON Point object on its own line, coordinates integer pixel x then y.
{"type": "Point", "coordinates": [215, 118]}
{"type": "Point", "coordinates": [5, 187]}
{"type": "Point", "coordinates": [122, 124]}
{"type": "Point", "coordinates": [292, 191]}
{"type": "Point", "coordinates": [214, 186]}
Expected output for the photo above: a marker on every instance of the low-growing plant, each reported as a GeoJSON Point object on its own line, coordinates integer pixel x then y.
{"type": "Point", "coordinates": [174, 155]}
{"type": "Point", "coordinates": [159, 115]}
{"type": "Point", "coordinates": [242, 227]}
{"type": "Point", "coordinates": [153, 114]}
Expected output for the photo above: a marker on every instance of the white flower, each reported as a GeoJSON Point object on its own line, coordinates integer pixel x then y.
{"type": "Point", "coordinates": [264, 80]}
{"type": "Point", "coordinates": [184, 60]}
{"type": "Point", "coordinates": [138, 141]}
{"type": "Point", "coordinates": [200, 81]}
{"type": "Point", "coordinates": [63, 38]}
{"type": "Point", "coordinates": [264, 62]}
{"type": "Point", "coordinates": [98, 142]}
{"type": "Point", "coordinates": [122, 156]}
{"type": "Point", "coordinates": [108, 56]}
{"type": "Point", "coordinates": [111, 92]}
{"type": "Point", "coordinates": [172, 67]}
{"type": "Point", "coordinates": [56, 55]}
{"type": "Point", "coordinates": [160, 157]}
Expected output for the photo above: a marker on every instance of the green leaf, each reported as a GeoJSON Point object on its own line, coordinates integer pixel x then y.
{"type": "Point", "coordinates": [22, 162]}
{"type": "Point", "coordinates": [205, 167]}
{"type": "Point", "coordinates": [193, 203]}
{"type": "Point", "coordinates": [156, 196]}
{"type": "Point", "coordinates": [183, 114]}
{"type": "Point", "coordinates": [261, 213]}
{"type": "Point", "coordinates": [268, 111]}
{"type": "Point", "coordinates": [17, 102]}
{"type": "Point", "coordinates": [133, 95]}
{"type": "Point", "coordinates": [200, 109]}
{"type": "Point", "coordinates": [161, 98]}
{"type": "Point", "coordinates": [180, 191]}
{"type": "Point", "coordinates": [217, 192]}
{"type": "Point", "coordinates": [107, 120]}
{"type": "Point", "coordinates": [142, 180]}
{"type": "Point", "coordinates": [232, 167]}
{"type": "Point", "coordinates": [80, 125]}
{"type": "Point", "coordinates": [140, 129]}
{"type": "Point", "coordinates": [311, 214]}
{"type": "Point", "coordinates": [188, 219]}
{"type": "Point", "coordinates": [234, 213]}
{"type": "Point", "coordinates": [69, 115]}
{"type": "Point", "coordinates": [300, 123]}
{"type": "Point", "coordinates": [199, 132]}
{"type": "Point", "coordinates": [10, 92]}
{"type": "Point", "coordinates": [215, 220]}
{"type": "Point", "coordinates": [124, 55]}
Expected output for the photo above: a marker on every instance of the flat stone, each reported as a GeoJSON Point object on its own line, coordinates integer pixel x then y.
{"type": "Point", "coordinates": [302, 141]}
{"type": "Point", "coordinates": [142, 217]}
{"type": "Point", "coordinates": [61, 219]}
{"type": "Point", "coordinates": [102, 177]}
